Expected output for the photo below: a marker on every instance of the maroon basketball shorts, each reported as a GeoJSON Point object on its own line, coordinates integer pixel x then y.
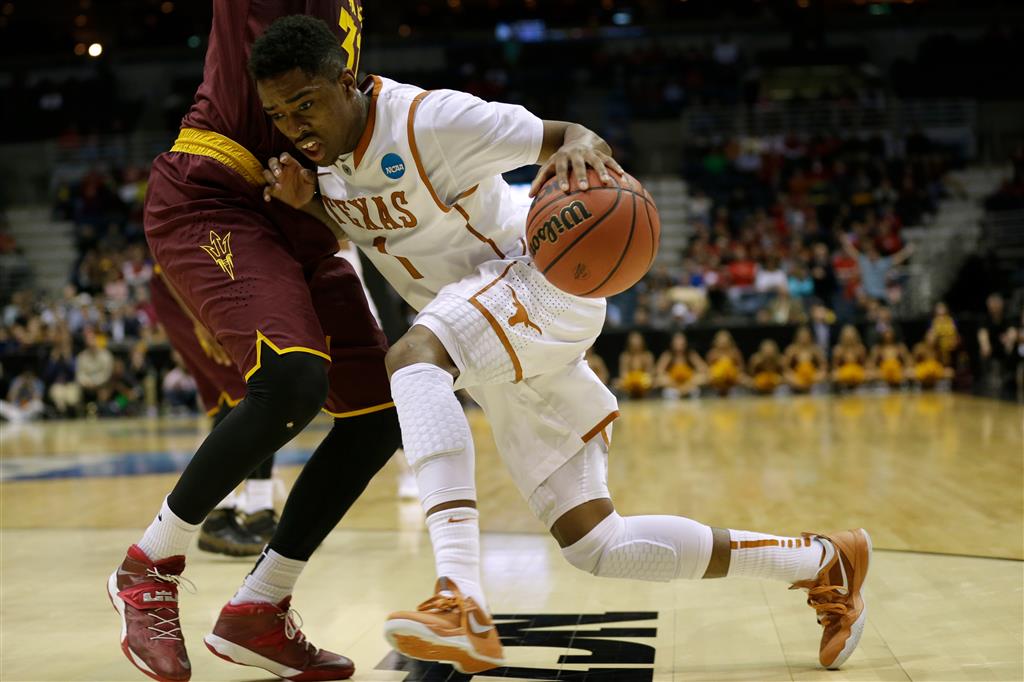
{"type": "Point", "coordinates": [262, 277]}
{"type": "Point", "coordinates": [218, 384]}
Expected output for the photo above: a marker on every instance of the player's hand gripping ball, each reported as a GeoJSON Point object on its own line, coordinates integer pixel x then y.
{"type": "Point", "coordinates": [595, 242]}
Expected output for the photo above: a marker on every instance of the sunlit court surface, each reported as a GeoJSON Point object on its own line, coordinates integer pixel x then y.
{"type": "Point", "coordinates": [937, 479]}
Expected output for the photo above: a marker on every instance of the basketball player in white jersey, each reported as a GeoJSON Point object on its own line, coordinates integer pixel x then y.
{"type": "Point", "coordinates": [413, 178]}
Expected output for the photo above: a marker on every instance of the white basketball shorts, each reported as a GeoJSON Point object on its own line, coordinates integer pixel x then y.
{"type": "Point", "coordinates": [518, 343]}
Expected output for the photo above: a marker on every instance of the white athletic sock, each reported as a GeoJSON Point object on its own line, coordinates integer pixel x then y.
{"type": "Point", "coordinates": [257, 495]}
{"type": "Point", "coordinates": [167, 536]}
{"type": "Point", "coordinates": [756, 555]}
{"type": "Point", "coordinates": [657, 548]}
{"type": "Point", "coordinates": [271, 580]}
{"type": "Point", "coordinates": [455, 535]}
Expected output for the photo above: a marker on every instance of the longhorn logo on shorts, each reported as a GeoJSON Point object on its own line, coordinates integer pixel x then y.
{"type": "Point", "coordinates": [520, 316]}
{"type": "Point", "coordinates": [220, 251]}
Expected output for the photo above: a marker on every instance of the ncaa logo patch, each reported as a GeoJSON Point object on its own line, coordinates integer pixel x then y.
{"type": "Point", "coordinates": [393, 166]}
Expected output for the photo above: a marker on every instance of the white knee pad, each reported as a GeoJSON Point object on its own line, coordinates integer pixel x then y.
{"type": "Point", "coordinates": [435, 435]}
{"type": "Point", "coordinates": [430, 415]}
{"type": "Point", "coordinates": [608, 551]}
{"type": "Point", "coordinates": [585, 554]}
{"type": "Point", "coordinates": [656, 548]}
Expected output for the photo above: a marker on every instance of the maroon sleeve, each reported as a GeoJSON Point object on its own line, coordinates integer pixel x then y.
{"type": "Point", "coordinates": [226, 101]}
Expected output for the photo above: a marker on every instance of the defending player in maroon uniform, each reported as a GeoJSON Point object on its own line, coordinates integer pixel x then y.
{"type": "Point", "coordinates": [295, 323]}
{"type": "Point", "coordinates": [243, 523]}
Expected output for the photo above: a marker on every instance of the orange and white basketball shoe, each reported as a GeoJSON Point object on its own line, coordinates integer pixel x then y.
{"type": "Point", "coordinates": [447, 628]}
{"type": "Point", "coordinates": [145, 595]}
{"type": "Point", "coordinates": [835, 593]}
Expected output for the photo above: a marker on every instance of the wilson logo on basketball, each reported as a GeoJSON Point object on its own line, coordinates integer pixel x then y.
{"type": "Point", "coordinates": [569, 217]}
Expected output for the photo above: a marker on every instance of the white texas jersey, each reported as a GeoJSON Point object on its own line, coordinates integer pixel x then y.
{"type": "Point", "coordinates": [422, 194]}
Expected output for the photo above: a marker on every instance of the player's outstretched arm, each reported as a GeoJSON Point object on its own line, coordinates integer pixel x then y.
{"type": "Point", "coordinates": [289, 182]}
{"type": "Point", "coordinates": [570, 146]}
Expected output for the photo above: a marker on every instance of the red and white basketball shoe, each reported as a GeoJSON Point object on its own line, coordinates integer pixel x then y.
{"type": "Point", "coordinates": [835, 593]}
{"type": "Point", "coordinates": [448, 628]}
{"type": "Point", "coordinates": [145, 595]}
{"type": "Point", "coordinates": [267, 636]}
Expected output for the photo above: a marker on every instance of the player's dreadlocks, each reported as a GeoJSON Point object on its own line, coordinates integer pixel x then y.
{"type": "Point", "coordinates": [300, 42]}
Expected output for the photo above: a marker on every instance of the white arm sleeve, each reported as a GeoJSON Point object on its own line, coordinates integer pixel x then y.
{"type": "Point", "coordinates": [463, 140]}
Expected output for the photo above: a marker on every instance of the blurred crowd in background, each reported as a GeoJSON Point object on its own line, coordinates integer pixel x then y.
{"type": "Point", "coordinates": [654, 79]}
{"type": "Point", "coordinates": [796, 234]}
{"type": "Point", "coordinates": [781, 225]}
{"type": "Point", "coordinates": [98, 346]}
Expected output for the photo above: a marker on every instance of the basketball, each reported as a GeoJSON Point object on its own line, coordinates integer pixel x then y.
{"type": "Point", "coordinates": [596, 242]}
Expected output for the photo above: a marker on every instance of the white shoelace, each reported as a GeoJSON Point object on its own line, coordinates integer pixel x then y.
{"type": "Point", "coordinates": [169, 633]}
{"type": "Point", "coordinates": [161, 625]}
{"type": "Point", "coordinates": [292, 627]}
{"type": "Point", "coordinates": [179, 580]}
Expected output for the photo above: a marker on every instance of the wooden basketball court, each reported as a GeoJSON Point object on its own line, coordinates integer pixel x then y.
{"type": "Point", "coordinates": [937, 479]}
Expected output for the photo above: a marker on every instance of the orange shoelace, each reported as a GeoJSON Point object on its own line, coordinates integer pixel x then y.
{"type": "Point", "coordinates": [824, 600]}
{"type": "Point", "coordinates": [440, 603]}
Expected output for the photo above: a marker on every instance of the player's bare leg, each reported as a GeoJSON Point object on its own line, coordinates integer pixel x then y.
{"type": "Point", "coordinates": [453, 625]}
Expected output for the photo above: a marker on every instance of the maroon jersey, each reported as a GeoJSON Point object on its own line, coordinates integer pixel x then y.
{"type": "Point", "coordinates": [226, 102]}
